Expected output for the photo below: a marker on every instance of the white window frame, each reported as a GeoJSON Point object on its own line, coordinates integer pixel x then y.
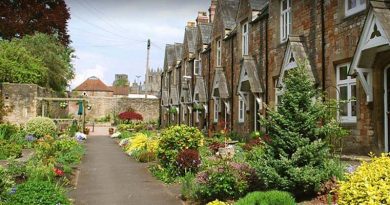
{"type": "Point", "coordinates": [197, 116]}
{"type": "Point", "coordinates": [285, 20]}
{"type": "Point", "coordinates": [278, 93]}
{"type": "Point", "coordinates": [219, 52]}
{"type": "Point", "coordinates": [197, 67]}
{"type": "Point", "coordinates": [241, 109]}
{"type": "Point", "coordinates": [174, 76]}
{"type": "Point", "coordinates": [245, 39]}
{"type": "Point", "coordinates": [349, 82]}
{"type": "Point", "coordinates": [358, 7]}
{"type": "Point", "coordinates": [216, 109]}
{"type": "Point", "coordinates": [184, 114]}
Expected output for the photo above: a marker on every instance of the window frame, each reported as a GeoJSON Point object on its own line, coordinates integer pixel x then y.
{"type": "Point", "coordinates": [219, 52]}
{"type": "Point", "coordinates": [245, 39]}
{"type": "Point", "coordinates": [285, 20]}
{"type": "Point", "coordinates": [241, 109]}
{"type": "Point", "coordinates": [349, 82]}
{"type": "Point", "coordinates": [216, 109]}
{"type": "Point", "coordinates": [358, 8]}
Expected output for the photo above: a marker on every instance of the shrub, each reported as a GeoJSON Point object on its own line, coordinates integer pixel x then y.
{"type": "Point", "coordinates": [267, 198]}
{"type": "Point", "coordinates": [130, 116]}
{"type": "Point", "coordinates": [41, 126]}
{"type": "Point", "coordinates": [221, 182]}
{"type": "Point", "coordinates": [38, 192]}
{"type": "Point", "coordinates": [188, 160]}
{"type": "Point", "coordinates": [296, 157]}
{"type": "Point", "coordinates": [7, 130]}
{"type": "Point", "coordinates": [369, 184]}
{"type": "Point", "coordinates": [217, 202]}
{"type": "Point", "coordinates": [175, 139]}
{"type": "Point", "coordinates": [188, 186]}
{"type": "Point", "coordinates": [5, 183]}
{"type": "Point", "coordinates": [9, 149]}
{"type": "Point", "coordinates": [142, 147]}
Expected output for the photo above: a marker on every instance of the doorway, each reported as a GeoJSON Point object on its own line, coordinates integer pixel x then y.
{"type": "Point", "coordinates": [387, 107]}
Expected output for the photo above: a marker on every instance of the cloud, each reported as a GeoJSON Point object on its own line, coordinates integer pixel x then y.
{"type": "Point", "coordinates": [98, 71]}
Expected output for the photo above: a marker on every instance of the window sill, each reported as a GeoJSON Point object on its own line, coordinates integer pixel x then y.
{"type": "Point", "coordinates": [353, 15]}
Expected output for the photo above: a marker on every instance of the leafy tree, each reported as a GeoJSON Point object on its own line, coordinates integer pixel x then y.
{"type": "Point", "coordinates": [25, 17]}
{"type": "Point", "coordinates": [56, 57]}
{"type": "Point", "coordinates": [18, 65]}
{"type": "Point", "coordinates": [121, 82]}
{"type": "Point", "coordinates": [297, 157]}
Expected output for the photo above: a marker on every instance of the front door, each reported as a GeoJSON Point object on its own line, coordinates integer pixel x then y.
{"type": "Point", "coordinates": [387, 107]}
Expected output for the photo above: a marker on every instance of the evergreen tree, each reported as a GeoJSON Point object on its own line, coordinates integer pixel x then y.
{"type": "Point", "coordinates": [297, 157]}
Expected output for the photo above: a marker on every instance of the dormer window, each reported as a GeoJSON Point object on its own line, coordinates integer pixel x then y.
{"type": "Point", "coordinates": [354, 6]}
{"type": "Point", "coordinates": [245, 39]}
{"type": "Point", "coordinates": [285, 19]}
{"type": "Point", "coordinates": [219, 53]}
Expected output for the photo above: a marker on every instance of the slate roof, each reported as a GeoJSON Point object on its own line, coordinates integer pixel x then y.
{"type": "Point", "coordinates": [220, 88]}
{"type": "Point", "coordinates": [258, 5]}
{"type": "Point", "coordinates": [228, 12]}
{"type": "Point", "coordinates": [205, 32]}
{"type": "Point", "coordinates": [93, 84]}
{"type": "Point", "coordinates": [169, 55]}
{"type": "Point", "coordinates": [382, 13]}
{"type": "Point", "coordinates": [190, 35]}
{"type": "Point", "coordinates": [178, 51]}
{"type": "Point", "coordinates": [174, 96]}
{"type": "Point", "coordinates": [249, 77]}
{"type": "Point", "coordinates": [200, 90]}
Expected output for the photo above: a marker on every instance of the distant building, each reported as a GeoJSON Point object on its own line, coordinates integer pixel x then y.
{"type": "Point", "coordinates": [93, 86]}
{"type": "Point", "coordinates": [152, 83]}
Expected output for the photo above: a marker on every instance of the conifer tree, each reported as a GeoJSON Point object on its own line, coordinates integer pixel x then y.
{"type": "Point", "coordinates": [297, 157]}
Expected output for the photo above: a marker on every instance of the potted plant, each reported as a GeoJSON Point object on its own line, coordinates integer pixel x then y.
{"type": "Point", "coordinates": [86, 131]}
{"type": "Point", "coordinates": [110, 130]}
{"type": "Point", "coordinates": [173, 110]}
{"type": "Point", "coordinates": [63, 104]}
{"type": "Point", "coordinates": [198, 107]}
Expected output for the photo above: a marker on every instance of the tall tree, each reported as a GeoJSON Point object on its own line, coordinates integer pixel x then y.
{"type": "Point", "coordinates": [54, 56]}
{"type": "Point", "coordinates": [25, 17]}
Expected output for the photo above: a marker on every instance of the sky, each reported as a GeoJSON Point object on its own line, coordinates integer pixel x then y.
{"type": "Point", "coordinates": [109, 36]}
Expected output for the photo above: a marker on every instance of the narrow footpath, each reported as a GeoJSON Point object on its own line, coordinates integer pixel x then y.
{"type": "Point", "coordinates": [109, 177]}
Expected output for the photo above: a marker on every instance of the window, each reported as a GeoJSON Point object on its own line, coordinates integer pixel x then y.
{"type": "Point", "coordinates": [245, 39]}
{"type": "Point", "coordinates": [285, 19]}
{"type": "Point", "coordinates": [241, 109]}
{"type": "Point", "coordinates": [278, 94]}
{"type": "Point", "coordinates": [216, 109]}
{"type": "Point", "coordinates": [219, 53]}
{"type": "Point", "coordinates": [354, 6]}
{"type": "Point", "coordinates": [198, 66]}
{"type": "Point", "coordinates": [197, 116]}
{"type": "Point", "coordinates": [346, 94]}
{"type": "Point", "coordinates": [174, 76]}
{"type": "Point", "coordinates": [185, 68]}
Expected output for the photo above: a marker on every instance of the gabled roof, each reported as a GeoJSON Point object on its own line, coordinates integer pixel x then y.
{"type": "Point", "coordinates": [169, 55]}
{"type": "Point", "coordinates": [200, 90]}
{"type": "Point", "coordinates": [205, 32]}
{"type": "Point", "coordinates": [382, 13]}
{"type": "Point", "coordinates": [190, 37]}
{"type": "Point", "coordinates": [173, 96]}
{"type": "Point", "coordinates": [220, 88]}
{"type": "Point", "coordinates": [249, 77]}
{"type": "Point", "coordinates": [228, 9]}
{"type": "Point", "coordinates": [258, 5]}
{"type": "Point", "coordinates": [93, 84]}
{"type": "Point", "coordinates": [295, 53]}
{"type": "Point", "coordinates": [178, 51]}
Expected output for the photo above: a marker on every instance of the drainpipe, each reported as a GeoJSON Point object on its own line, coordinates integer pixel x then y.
{"type": "Point", "coordinates": [161, 106]}
{"type": "Point", "coordinates": [208, 88]}
{"type": "Point", "coordinates": [323, 46]}
{"type": "Point", "coordinates": [179, 93]}
{"type": "Point", "coordinates": [232, 84]}
{"type": "Point", "coordinates": [266, 64]}
{"type": "Point", "coordinates": [169, 92]}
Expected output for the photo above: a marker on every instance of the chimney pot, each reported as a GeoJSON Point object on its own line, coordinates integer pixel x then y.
{"type": "Point", "coordinates": [202, 18]}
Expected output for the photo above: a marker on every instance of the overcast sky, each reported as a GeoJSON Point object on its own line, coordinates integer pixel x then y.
{"type": "Point", "coordinates": [110, 38]}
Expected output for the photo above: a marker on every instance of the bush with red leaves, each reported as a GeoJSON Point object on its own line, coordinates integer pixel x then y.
{"type": "Point", "coordinates": [253, 143]}
{"type": "Point", "coordinates": [188, 160]}
{"type": "Point", "coordinates": [130, 116]}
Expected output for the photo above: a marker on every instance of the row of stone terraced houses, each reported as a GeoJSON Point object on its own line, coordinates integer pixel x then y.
{"type": "Point", "coordinates": [233, 59]}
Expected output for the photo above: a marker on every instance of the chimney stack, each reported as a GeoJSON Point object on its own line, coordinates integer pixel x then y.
{"type": "Point", "coordinates": [191, 24]}
{"type": "Point", "coordinates": [202, 18]}
{"type": "Point", "coordinates": [212, 9]}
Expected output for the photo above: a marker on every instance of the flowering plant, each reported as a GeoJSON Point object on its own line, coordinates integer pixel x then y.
{"type": "Point", "coordinates": [63, 104]}
{"type": "Point", "coordinates": [188, 160]}
{"type": "Point", "coordinates": [58, 172]}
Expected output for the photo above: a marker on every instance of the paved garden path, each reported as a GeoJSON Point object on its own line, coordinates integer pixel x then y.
{"type": "Point", "coordinates": [109, 177]}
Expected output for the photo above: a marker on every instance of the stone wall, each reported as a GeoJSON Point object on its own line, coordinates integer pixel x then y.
{"type": "Point", "coordinates": [22, 99]}
{"type": "Point", "coordinates": [102, 106]}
